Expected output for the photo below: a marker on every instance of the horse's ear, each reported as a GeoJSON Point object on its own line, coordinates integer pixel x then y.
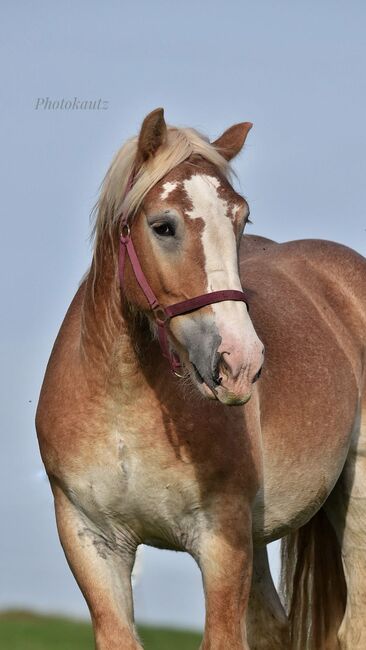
{"type": "Point", "coordinates": [152, 136]}
{"type": "Point", "coordinates": [231, 141]}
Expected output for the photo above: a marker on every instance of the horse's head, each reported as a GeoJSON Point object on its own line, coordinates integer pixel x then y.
{"type": "Point", "coordinates": [186, 232]}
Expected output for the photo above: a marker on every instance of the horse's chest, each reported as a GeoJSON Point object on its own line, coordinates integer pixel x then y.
{"type": "Point", "coordinates": [139, 489]}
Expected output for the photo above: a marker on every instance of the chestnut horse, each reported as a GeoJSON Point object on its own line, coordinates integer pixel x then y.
{"type": "Point", "coordinates": [214, 463]}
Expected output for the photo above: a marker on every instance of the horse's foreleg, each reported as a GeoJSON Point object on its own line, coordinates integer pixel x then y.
{"type": "Point", "coordinates": [267, 624]}
{"type": "Point", "coordinates": [225, 558]}
{"type": "Point", "coordinates": [103, 572]}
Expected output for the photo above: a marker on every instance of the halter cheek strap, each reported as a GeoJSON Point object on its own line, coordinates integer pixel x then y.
{"type": "Point", "coordinates": [164, 314]}
{"type": "Point", "coordinates": [160, 314]}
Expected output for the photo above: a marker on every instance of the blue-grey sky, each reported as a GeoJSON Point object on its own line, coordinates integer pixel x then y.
{"type": "Point", "coordinates": [295, 69]}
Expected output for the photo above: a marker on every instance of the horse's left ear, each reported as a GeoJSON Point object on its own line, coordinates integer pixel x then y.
{"type": "Point", "coordinates": [152, 136]}
{"type": "Point", "coordinates": [231, 141]}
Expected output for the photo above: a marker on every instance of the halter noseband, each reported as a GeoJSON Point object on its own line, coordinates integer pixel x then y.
{"type": "Point", "coordinates": [164, 314]}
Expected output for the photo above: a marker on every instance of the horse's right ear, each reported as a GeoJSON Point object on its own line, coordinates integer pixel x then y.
{"type": "Point", "coordinates": [152, 135]}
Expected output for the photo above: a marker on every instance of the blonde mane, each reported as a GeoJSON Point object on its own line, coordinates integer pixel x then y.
{"type": "Point", "coordinates": [180, 144]}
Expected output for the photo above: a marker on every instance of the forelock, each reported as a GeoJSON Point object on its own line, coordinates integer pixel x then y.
{"type": "Point", "coordinates": [180, 145]}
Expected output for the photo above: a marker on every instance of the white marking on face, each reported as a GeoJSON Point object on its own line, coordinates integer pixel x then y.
{"type": "Point", "coordinates": [167, 189]}
{"type": "Point", "coordinates": [235, 210]}
{"type": "Point", "coordinates": [218, 237]}
{"type": "Point", "coordinates": [239, 339]}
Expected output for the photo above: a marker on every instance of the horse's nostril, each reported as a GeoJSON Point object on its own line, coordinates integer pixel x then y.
{"type": "Point", "coordinates": [256, 377]}
{"type": "Point", "coordinates": [221, 368]}
{"type": "Point", "coordinates": [216, 375]}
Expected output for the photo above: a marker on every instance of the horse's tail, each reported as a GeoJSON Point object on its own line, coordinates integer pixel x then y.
{"type": "Point", "coordinates": [313, 585]}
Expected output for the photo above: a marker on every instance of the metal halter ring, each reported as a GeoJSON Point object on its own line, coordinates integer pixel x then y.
{"type": "Point", "coordinates": [177, 374]}
{"type": "Point", "coordinates": [160, 314]}
{"type": "Point", "coordinates": [125, 232]}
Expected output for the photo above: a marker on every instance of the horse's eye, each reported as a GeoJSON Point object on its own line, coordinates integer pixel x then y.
{"type": "Point", "coordinates": [164, 229]}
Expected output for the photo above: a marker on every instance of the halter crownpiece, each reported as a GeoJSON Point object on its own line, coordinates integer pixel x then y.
{"type": "Point", "coordinates": [164, 314]}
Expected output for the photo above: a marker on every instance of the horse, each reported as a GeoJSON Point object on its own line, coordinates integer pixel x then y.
{"type": "Point", "coordinates": [155, 426]}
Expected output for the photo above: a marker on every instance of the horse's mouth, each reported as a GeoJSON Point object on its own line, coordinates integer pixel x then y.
{"type": "Point", "coordinates": [208, 391]}
{"type": "Point", "coordinates": [197, 374]}
{"type": "Point", "coordinates": [218, 392]}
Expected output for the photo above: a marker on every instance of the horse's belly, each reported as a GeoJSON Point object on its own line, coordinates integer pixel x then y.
{"type": "Point", "coordinates": [297, 479]}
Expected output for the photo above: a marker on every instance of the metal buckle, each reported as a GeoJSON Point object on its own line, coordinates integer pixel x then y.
{"type": "Point", "coordinates": [125, 232]}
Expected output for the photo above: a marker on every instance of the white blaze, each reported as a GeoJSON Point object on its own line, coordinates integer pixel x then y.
{"type": "Point", "coordinates": [238, 336]}
{"type": "Point", "coordinates": [218, 237]}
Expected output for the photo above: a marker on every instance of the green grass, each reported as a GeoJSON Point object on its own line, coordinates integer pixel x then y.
{"type": "Point", "coordinates": [28, 631]}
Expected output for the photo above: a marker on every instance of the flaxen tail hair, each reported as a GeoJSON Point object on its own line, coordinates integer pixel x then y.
{"type": "Point", "coordinates": [313, 585]}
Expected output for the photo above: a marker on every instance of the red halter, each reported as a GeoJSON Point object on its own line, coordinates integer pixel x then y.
{"type": "Point", "coordinates": [164, 314]}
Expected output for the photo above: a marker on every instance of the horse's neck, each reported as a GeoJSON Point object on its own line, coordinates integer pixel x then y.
{"type": "Point", "coordinates": [108, 339]}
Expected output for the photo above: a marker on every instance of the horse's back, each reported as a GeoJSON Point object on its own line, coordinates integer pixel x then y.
{"type": "Point", "coordinates": [328, 276]}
